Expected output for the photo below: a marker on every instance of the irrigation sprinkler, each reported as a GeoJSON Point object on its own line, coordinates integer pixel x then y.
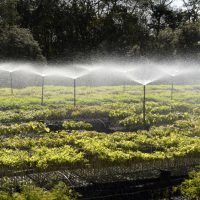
{"type": "Point", "coordinates": [42, 97]}
{"type": "Point", "coordinates": [124, 87]}
{"type": "Point", "coordinates": [144, 105]}
{"type": "Point", "coordinates": [11, 83]}
{"type": "Point", "coordinates": [74, 92]}
{"type": "Point", "coordinates": [172, 87]}
{"type": "Point", "coordinates": [90, 88]}
{"type": "Point", "coordinates": [172, 73]}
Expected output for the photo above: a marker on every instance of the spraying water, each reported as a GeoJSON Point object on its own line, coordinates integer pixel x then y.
{"type": "Point", "coordinates": [145, 75]}
{"type": "Point", "coordinates": [173, 70]}
{"type": "Point", "coordinates": [10, 68]}
{"type": "Point", "coordinates": [141, 73]}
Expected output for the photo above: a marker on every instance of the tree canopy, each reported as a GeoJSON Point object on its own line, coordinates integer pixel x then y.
{"type": "Point", "coordinates": [60, 30]}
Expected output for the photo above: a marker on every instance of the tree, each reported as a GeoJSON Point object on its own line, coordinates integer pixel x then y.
{"type": "Point", "coordinates": [193, 9]}
{"type": "Point", "coordinates": [159, 10]}
{"type": "Point", "coordinates": [188, 39]}
{"type": "Point", "coordinates": [174, 19]}
{"type": "Point", "coordinates": [73, 29]}
{"type": "Point", "coordinates": [8, 12]}
{"type": "Point", "coordinates": [167, 43]}
{"type": "Point", "coordinates": [19, 44]}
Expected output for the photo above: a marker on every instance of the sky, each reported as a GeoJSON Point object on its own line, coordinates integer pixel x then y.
{"type": "Point", "coordinates": [178, 3]}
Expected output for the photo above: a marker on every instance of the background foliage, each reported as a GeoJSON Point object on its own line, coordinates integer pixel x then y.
{"type": "Point", "coordinates": [71, 30]}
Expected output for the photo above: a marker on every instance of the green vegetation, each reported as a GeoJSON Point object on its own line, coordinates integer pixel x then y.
{"type": "Point", "coordinates": [18, 43]}
{"type": "Point", "coordinates": [76, 30]}
{"type": "Point", "coordinates": [191, 186]}
{"type": "Point", "coordinates": [31, 192]}
{"type": "Point", "coordinates": [72, 125]}
{"type": "Point", "coordinates": [28, 143]}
